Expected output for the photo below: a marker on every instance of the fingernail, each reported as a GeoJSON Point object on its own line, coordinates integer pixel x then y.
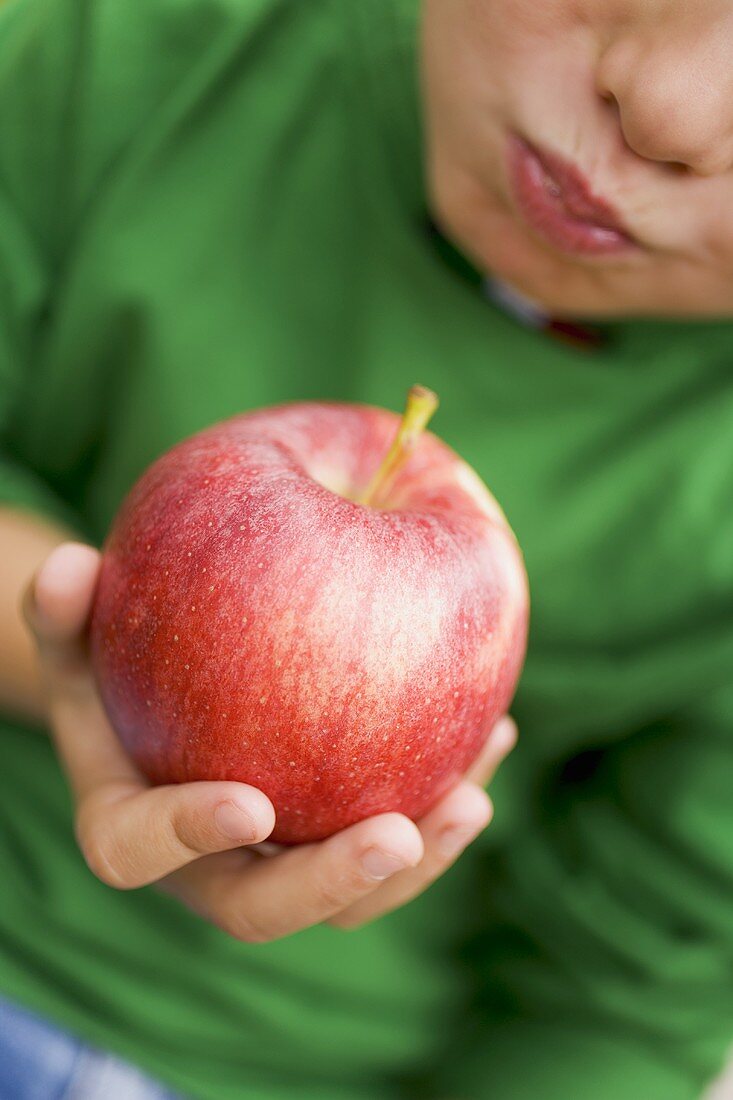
{"type": "Point", "coordinates": [380, 865]}
{"type": "Point", "coordinates": [452, 841]}
{"type": "Point", "coordinates": [234, 822]}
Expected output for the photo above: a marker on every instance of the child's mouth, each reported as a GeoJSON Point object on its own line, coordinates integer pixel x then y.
{"type": "Point", "coordinates": [556, 201]}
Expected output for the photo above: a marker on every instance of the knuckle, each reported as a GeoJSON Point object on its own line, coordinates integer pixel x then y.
{"type": "Point", "coordinates": [333, 893]}
{"type": "Point", "coordinates": [240, 926]}
{"type": "Point", "coordinates": [346, 923]}
{"type": "Point", "coordinates": [101, 854]}
{"type": "Point", "coordinates": [188, 833]}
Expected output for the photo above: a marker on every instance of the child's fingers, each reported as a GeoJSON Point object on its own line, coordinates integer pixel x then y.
{"type": "Point", "coordinates": [130, 838]}
{"type": "Point", "coordinates": [297, 888]}
{"type": "Point", "coordinates": [446, 831]}
{"type": "Point", "coordinates": [271, 898]}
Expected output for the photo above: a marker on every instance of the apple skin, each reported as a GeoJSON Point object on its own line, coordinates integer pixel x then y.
{"type": "Point", "coordinates": [253, 623]}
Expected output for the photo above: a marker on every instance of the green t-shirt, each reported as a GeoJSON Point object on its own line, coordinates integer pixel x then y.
{"type": "Point", "coordinates": [212, 205]}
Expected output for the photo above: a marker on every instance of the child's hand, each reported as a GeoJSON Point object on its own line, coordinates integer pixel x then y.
{"type": "Point", "coordinates": [193, 837]}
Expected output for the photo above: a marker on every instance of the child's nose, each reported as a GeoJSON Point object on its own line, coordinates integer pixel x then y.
{"type": "Point", "coordinates": [672, 108]}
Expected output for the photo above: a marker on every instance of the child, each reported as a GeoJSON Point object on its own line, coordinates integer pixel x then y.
{"type": "Point", "coordinates": [214, 205]}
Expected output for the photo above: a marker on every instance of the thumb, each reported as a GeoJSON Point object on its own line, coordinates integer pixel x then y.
{"type": "Point", "coordinates": [57, 603]}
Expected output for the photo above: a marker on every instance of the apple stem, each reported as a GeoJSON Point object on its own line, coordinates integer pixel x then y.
{"type": "Point", "coordinates": [421, 404]}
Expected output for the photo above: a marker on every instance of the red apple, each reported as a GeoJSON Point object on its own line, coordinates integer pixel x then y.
{"type": "Point", "coordinates": [272, 611]}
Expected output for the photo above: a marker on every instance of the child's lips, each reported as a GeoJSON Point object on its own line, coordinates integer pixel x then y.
{"type": "Point", "coordinates": [556, 201]}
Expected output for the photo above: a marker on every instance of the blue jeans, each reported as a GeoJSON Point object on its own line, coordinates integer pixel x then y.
{"type": "Point", "coordinates": [38, 1061]}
